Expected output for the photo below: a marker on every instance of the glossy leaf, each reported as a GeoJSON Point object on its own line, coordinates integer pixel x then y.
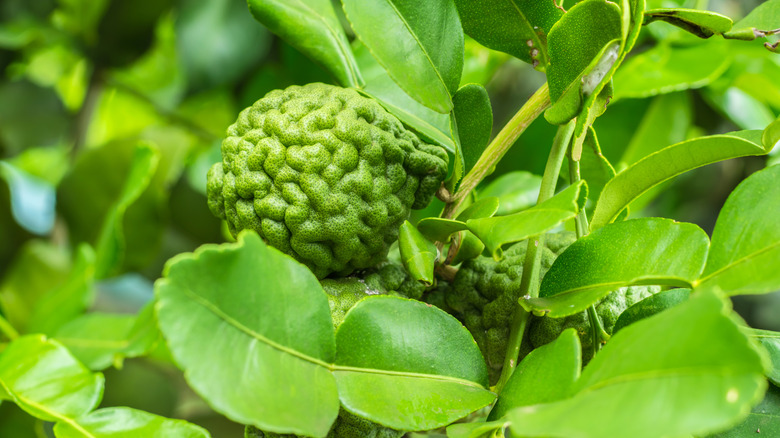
{"type": "Point", "coordinates": [498, 231]}
{"type": "Point", "coordinates": [761, 21]}
{"type": "Point", "coordinates": [662, 252]}
{"type": "Point", "coordinates": [440, 229]}
{"type": "Point", "coordinates": [515, 191]}
{"type": "Point", "coordinates": [651, 305]}
{"type": "Point", "coordinates": [709, 378]}
{"type": "Point", "coordinates": [427, 122]}
{"type": "Point", "coordinates": [545, 375]}
{"type": "Point", "coordinates": [419, 44]}
{"type": "Point", "coordinates": [474, 118]}
{"type": "Point", "coordinates": [418, 254]}
{"type": "Point", "coordinates": [703, 24]}
{"type": "Point", "coordinates": [44, 379]}
{"type": "Point", "coordinates": [486, 206]}
{"type": "Point", "coordinates": [470, 247]}
{"type": "Point", "coordinates": [394, 365]}
{"type": "Point", "coordinates": [666, 68]}
{"type": "Point", "coordinates": [517, 27]}
{"type": "Point", "coordinates": [312, 27]}
{"type": "Point", "coordinates": [745, 254]}
{"type": "Point", "coordinates": [121, 422]}
{"type": "Point", "coordinates": [763, 420]}
{"type": "Point", "coordinates": [771, 341]}
{"type": "Point", "coordinates": [237, 308]}
{"type": "Point", "coordinates": [669, 162]}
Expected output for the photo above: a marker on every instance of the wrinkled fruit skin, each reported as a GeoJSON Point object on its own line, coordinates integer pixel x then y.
{"type": "Point", "coordinates": [388, 278]}
{"type": "Point", "coordinates": [484, 295]}
{"type": "Point", "coordinates": [324, 175]}
{"type": "Point", "coordinates": [347, 425]}
{"type": "Point", "coordinates": [545, 330]}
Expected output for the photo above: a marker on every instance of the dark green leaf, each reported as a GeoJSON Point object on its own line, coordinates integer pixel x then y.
{"type": "Point", "coordinates": [745, 254]}
{"type": "Point", "coordinates": [703, 24]}
{"type": "Point", "coordinates": [419, 44]}
{"type": "Point", "coordinates": [650, 306]}
{"type": "Point", "coordinates": [43, 378]}
{"type": "Point", "coordinates": [394, 365]}
{"type": "Point", "coordinates": [312, 27]}
{"type": "Point", "coordinates": [515, 191]}
{"type": "Point", "coordinates": [474, 118]}
{"type": "Point", "coordinates": [418, 254]}
{"type": "Point", "coordinates": [771, 341]}
{"type": "Point", "coordinates": [124, 422]}
{"type": "Point", "coordinates": [238, 308]}
{"type": "Point", "coordinates": [517, 27]}
{"type": "Point", "coordinates": [669, 162]}
{"type": "Point", "coordinates": [694, 354]}
{"type": "Point", "coordinates": [545, 375]}
{"type": "Point", "coordinates": [498, 231]}
{"type": "Point", "coordinates": [666, 68]}
{"type": "Point", "coordinates": [639, 251]}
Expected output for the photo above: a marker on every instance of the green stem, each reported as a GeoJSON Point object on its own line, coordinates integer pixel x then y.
{"type": "Point", "coordinates": [529, 284]}
{"type": "Point", "coordinates": [497, 148]}
{"type": "Point", "coordinates": [7, 329]}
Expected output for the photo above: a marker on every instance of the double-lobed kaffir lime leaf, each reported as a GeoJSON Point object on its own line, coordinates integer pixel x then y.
{"type": "Point", "coordinates": [263, 321]}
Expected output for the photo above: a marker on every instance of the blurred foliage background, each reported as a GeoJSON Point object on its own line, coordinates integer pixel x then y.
{"type": "Point", "coordinates": [111, 112]}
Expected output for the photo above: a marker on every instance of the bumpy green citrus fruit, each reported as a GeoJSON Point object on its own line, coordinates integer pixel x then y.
{"type": "Point", "coordinates": [324, 175]}
{"type": "Point", "coordinates": [484, 295]}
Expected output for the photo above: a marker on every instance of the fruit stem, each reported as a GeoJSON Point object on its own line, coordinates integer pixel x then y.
{"type": "Point", "coordinates": [497, 148]}
{"type": "Point", "coordinates": [7, 329]}
{"type": "Point", "coordinates": [529, 284]}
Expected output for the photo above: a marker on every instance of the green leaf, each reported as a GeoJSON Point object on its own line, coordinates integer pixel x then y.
{"type": "Point", "coordinates": [312, 27]}
{"type": "Point", "coordinates": [745, 254]}
{"type": "Point", "coordinates": [474, 118]}
{"type": "Point", "coordinates": [419, 44]}
{"type": "Point", "coordinates": [744, 110]}
{"type": "Point", "coordinates": [32, 199]}
{"type": "Point", "coordinates": [640, 251]}
{"type": "Point", "coordinates": [238, 308]}
{"type": "Point", "coordinates": [515, 191]}
{"type": "Point", "coordinates": [394, 365]}
{"type": "Point", "coordinates": [470, 247]}
{"type": "Point", "coordinates": [703, 24]}
{"type": "Point", "coordinates": [124, 422]}
{"type": "Point", "coordinates": [545, 375]}
{"type": "Point", "coordinates": [667, 163]}
{"type": "Point", "coordinates": [98, 340]}
{"type": "Point", "coordinates": [763, 420]}
{"type": "Point", "coordinates": [427, 122]}
{"type": "Point", "coordinates": [498, 231]}
{"type": "Point", "coordinates": [595, 169]}
{"type": "Point", "coordinates": [43, 378]}
{"type": "Point", "coordinates": [516, 27]}
{"type": "Point", "coordinates": [439, 229]}
{"type": "Point", "coordinates": [771, 341]}
{"type": "Point", "coordinates": [708, 371]}
{"type": "Point", "coordinates": [651, 305]}
{"type": "Point", "coordinates": [666, 68]}
{"type": "Point", "coordinates": [489, 429]}
{"type": "Point", "coordinates": [761, 21]}
{"type": "Point", "coordinates": [418, 254]}
{"type": "Point", "coordinates": [68, 300]}
{"type": "Point", "coordinates": [666, 122]}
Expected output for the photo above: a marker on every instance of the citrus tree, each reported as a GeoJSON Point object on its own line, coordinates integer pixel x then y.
{"type": "Point", "coordinates": [452, 217]}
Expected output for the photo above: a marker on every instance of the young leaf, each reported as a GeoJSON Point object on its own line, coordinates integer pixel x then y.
{"type": "Point", "coordinates": [516, 27]}
{"type": "Point", "coordinates": [640, 251]}
{"type": "Point", "coordinates": [694, 354]}
{"type": "Point", "coordinates": [666, 68]}
{"type": "Point", "coordinates": [703, 24]}
{"type": "Point", "coordinates": [418, 254]}
{"type": "Point", "coordinates": [439, 229]}
{"type": "Point", "coordinates": [515, 191]}
{"type": "Point", "coordinates": [474, 118]}
{"type": "Point", "coordinates": [486, 206]}
{"type": "Point", "coordinates": [745, 254]}
{"type": "Point", "coordinates": [650, 306]}
{"type": "Point", "coordinates": [498, 231]}
{"type": "Point", "coordinates": [669, 162]}
{"type": "Point", "coordinates": [545, 375]}
{"type": "Point", "coordinates": [240, 309]}
{"type": "Point", "coordinates": [394, 365]}
{"type": "Point", "coordinates": [763, 420]}
{"type": "Point", "coordinates": [312, 27]}
{"type": "Point", "coordinates": [771, 341]}
{"type": "Point", "coordinates": [427, 122]}
{"type": "Point", "coordinates": [420, 45]}
{"type": "Point", "coordinates": [124, 422]}
{"type": "Point", "coordinates": [44, 379]}
{"type": "Point", "coordinates": [760, 22]}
